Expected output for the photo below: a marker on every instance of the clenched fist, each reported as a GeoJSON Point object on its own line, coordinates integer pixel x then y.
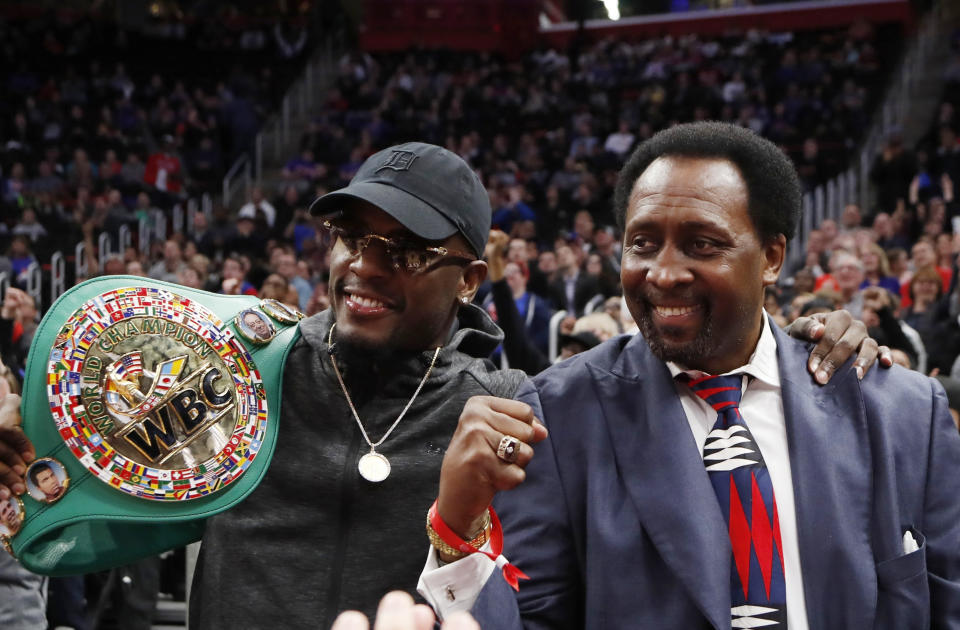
{"type": "Point", "coordinates": [473, 471]}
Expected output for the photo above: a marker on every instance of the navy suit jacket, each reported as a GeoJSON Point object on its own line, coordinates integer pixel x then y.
{"type": "Point", "coordinates": [617, 524]}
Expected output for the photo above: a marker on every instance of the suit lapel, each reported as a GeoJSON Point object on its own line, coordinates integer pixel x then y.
{"type": "Point", "coordinates": [831, 469]}
{"type": "Point", "coordinates": [665, 477]}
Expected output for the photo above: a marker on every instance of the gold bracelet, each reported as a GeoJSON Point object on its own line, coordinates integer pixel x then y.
{"type": "Point", "coordinates": [476, 542]}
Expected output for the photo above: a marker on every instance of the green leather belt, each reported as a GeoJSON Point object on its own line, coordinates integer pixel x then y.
{"type": "Point", "coordinates": [151, 406]}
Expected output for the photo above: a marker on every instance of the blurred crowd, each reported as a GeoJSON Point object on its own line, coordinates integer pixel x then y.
{"type": "Point", "coordinates": [101, 124]}
{"type": "Point", "coordinates": [547, 133]}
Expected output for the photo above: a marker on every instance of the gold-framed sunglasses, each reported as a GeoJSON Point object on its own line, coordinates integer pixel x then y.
{"type": "Point", "coordinates": [408, 255]}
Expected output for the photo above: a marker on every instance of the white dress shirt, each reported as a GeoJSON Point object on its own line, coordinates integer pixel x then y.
{"type": "Point", "coordinates": [455, 586]}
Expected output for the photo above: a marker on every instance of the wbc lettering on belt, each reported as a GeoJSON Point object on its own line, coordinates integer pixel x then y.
{"type": "Point", "coordinates": [160, 414]}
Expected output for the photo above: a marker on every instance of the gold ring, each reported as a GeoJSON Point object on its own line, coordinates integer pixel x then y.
{"type": "Point", "coordinates": [508, 449]}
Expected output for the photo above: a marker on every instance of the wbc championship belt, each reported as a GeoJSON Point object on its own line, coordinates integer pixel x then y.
{"type": "Point", "coordinates": [152, 406]}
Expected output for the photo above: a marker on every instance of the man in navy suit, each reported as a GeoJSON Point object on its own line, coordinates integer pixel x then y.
{"type": "Point", "coordinates": [616, 519]}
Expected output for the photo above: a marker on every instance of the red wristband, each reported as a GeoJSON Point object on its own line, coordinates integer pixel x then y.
{"type": "Point", "coordinates": [510, 573]}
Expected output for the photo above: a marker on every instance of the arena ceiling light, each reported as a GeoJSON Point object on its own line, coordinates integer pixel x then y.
{"type": "Point", "coordinates": [613, 8]}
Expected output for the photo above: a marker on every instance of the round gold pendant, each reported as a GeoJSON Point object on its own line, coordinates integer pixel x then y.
{"type": "Point", "coordinates": [374, 467]}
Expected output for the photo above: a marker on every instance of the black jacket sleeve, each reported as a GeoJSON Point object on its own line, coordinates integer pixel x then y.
{"type": "Point", "coordinates": [520, 351]}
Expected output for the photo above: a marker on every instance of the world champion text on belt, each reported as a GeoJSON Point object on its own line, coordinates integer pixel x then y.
{"type": "Point", "coordinates": [154, 394]}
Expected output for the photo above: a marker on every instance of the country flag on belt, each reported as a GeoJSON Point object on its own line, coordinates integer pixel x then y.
{"type": "Point", "coordinates": [167, 374]}
{"type": "Point", "coordinates": [129, 365]}
{"type": "Point", "coordinates": [62, 387]}
{"type": "Point", "coordinates": [241, 450]}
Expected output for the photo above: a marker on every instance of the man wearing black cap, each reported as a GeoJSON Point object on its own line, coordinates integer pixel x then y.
{"type": "Point", "coordinates": [372, 393]}
{"type": "Point", "coordinates": [369, 404]}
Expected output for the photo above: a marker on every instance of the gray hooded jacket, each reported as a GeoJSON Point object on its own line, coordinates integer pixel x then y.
{"type": "Point", "coordinates": [315, 538]}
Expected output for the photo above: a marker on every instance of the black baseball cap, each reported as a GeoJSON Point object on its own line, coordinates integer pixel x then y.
{"type": "Point", "coordinates": [430, 190]}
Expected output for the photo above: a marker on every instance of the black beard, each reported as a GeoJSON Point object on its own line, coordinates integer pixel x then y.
{"type": "Point", "coordinates": [356, 356]}
{"type": "Point", "coordinates": [689, 354]}
{"type": "Point", "coordinates": [366, 368]}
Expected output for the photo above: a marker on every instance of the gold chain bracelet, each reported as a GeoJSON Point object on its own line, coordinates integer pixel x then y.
{"type": "Point", "coordinates": [476, 542]}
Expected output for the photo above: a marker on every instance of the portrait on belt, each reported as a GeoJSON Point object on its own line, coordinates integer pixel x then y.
{"type": "Point", "coordinates": [254, 326]}
{"type": "Point", "coordinates": [47, 480]}
{"type": "Point", "coordinates": [11, 516]}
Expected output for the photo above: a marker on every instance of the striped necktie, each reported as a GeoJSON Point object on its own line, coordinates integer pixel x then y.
{"type": "Point", "coordinates": [742, 483]}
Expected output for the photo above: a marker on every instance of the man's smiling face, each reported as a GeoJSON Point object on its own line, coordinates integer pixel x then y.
{"type": "Point", "coordinates": [378, 306]}
{"type": "Point", "coordinates": [694, 267]}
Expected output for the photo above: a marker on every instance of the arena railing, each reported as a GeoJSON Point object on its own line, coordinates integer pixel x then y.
{"type": "Point", "coordinates": [47, 282]}
{"type": "Point", "coordinates": [827, 200]}
{"type": "Point", "coordinates": [899, 102]}
{"type": "Point", "coordinates": [280, 134]}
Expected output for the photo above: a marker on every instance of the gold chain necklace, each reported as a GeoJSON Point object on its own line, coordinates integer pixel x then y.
{"type": "Point", "coordinates": [373, 466]}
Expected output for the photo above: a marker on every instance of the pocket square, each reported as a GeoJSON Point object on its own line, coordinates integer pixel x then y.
{"type": "Point", "coordinates": [909, 543]}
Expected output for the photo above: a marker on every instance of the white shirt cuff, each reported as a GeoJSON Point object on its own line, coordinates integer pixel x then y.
{"type": "Point", "coordinates": [455, 586]}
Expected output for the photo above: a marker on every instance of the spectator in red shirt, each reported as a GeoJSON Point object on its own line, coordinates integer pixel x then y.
{"type": "Point", "coordinates": [164, 171]}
